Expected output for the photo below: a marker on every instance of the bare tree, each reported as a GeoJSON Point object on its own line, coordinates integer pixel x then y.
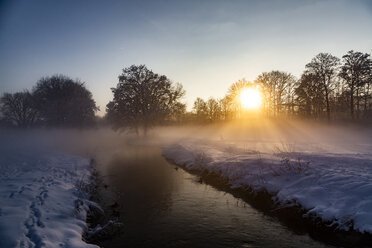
{"type": "Point", "coordinates": [142, 99]}
{"type": "Point", "coordinates": [367, 94]}
{"type": "Point", "coordinates": [309, 96]}
{"type": "Point", "coordinates": [201, 109]}
{"type": "Point", "coordinates": [226, 112]}
{"type": "Point", "coordinates": [63, 101]}
{"type": "Point", "coordinates": [214, 109]}
{"type": "Point", "coordinates": [178, 112]}
{"type": "Point", "coordinates": [233, 95]}
{"type": "Point", "coordinates": [356, 70]}
{"type": "Point", "coordinates": [324, 66]}
{"type": "Point", "coordinates": [19, 109]}
{"type": "Point", "coordinates": [278, 90]}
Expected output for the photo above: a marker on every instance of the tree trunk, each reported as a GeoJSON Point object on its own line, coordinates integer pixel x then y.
{"type": "Point", "coordinates": [366, 97]}
{"type": "Point", "coordinates": [352, 101]}
{"type": "Point", "coordinates": [328, 108]}
{"type": "Point", "coordinates": [327, 102]}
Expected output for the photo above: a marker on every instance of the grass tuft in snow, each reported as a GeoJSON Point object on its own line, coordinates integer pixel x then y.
{"type": "Point", "coordinates": [290, 160]}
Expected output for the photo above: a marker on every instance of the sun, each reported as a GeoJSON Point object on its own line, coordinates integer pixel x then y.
{"type": "Point", "coordinates": [250, 98]}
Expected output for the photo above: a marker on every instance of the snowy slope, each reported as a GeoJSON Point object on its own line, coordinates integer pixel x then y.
{"type": "Point", "coordinates": [37, 193]}
{"type": "Point", "coordinates": [337, 187]}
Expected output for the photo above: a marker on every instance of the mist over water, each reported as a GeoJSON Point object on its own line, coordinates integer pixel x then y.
{"type": "Point", "coordinates": [162, 205]}
{"type": "Point", "coordinates": [256, 134]}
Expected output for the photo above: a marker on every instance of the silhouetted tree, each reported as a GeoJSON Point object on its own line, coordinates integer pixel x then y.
{"type": "Point", "coordinates": [309, 96]}
{"type": "Point", "coordinates": [324, 88]}
{"type": "Point", "coordinates": [62, 101]}
{"type": "Point", "coordinates": [278, 90]}
{"type": "Point", "coordinates": [225, 105]}
{"type": "Point", "coordinates": [214, 109]}
{"type": "Point", "coordinates": [233, 95]}
{"type": "Point", "coordinates": [19, 109]}
{"type": "Point", "coordinates": [201, 109]}
{"type": "Point", "coordinates": [324, 66]}
{"type": "Point", "coordinates": [367, 95]}
{"type": "Point", "coordinates": [178, 112]}
{"type": "Point", "coordinates": [356, 71]}
{"type": "Point", "coordinates": [143, 98]}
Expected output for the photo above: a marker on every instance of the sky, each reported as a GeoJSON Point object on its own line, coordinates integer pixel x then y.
{"type": "Point", "coordinates": [205, 45]}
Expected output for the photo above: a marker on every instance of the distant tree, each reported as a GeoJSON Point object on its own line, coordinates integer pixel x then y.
{"type": "Point", "coordinates": [278, 90]}
{"type": "Point", "coordinates": [214, 109]}
{"type": "Point", "coordinates": [356, 71]}
{"type": "Point", "coordinates": [367, 95]}
{"type": "Point", "coordinates": [233, 95]}
{"type": "Point", "coordinates": [19, 109]}
{"type": "Point", "coordinates": [324, 67]}
{"type": "Point", "coordinates": [225, 105]}
{"type": "Point", "coordinates": [142, 99]}
{"type": "Point", "coordinates": [309, 96]}
{"type": "Point", "coordinates": [341, 103]}
{"type": "Point", "coordinates": [201, 109]}
{"type": "Point", "coordinates": [64, 102]}
{"type": "Point", "coordinates": [178, 112]}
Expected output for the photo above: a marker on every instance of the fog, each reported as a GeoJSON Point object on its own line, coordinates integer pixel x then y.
{"type": "Point", "coordinates": [255, 134]}
{"type": "Point", "coordinates": [155, 198]}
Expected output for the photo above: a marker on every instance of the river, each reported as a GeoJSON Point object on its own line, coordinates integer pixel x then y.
{"type": "Point", "coordinates": [162, 205]}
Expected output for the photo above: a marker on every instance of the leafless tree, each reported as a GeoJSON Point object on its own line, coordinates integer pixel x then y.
{"type": "Point", "coordinates": [309, 96]}
{"type": "Point", "coordinates": [142, 99]}
{"type": "Point", "coordinates": [233, 95]}
{"type": "Point", "coordinates": [324, 66]}
{"type": "Point", "coordinates": [214, 109]}
{"type": "Point", "coordinates": [62, 101]}
{"type": "Point", "coordinates": [356, 71]}
{"type": "Point", "coordinates": [19, 109]}
{"type": "Point", "coordinates": [200, 109]}
{"type": "Point", "coordinates": [278, 90]}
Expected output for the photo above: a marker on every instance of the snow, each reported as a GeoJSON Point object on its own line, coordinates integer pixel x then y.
{"type": "Point", "coordinates": [337, 187]}
{"type": "Point", "coordinates": [38, 194]}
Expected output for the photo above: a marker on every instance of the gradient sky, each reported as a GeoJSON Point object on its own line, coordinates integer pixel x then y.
{"type": "Point", "coordinates": [205, 45]}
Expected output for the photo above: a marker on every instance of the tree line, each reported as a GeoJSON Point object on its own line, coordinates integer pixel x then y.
{"type": "Point", "coordinates": [141, 100]}
{"type": "Point", "coordinates": [56, 101]}
{"type": "Point", "coordinates": [329, 88]}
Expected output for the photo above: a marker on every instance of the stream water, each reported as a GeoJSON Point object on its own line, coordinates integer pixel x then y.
{"type": "Point", "coordinates": [162, 205]}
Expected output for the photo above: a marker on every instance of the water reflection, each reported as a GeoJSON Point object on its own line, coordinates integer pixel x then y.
{"type": "Point", "coordinates": [162, 206]}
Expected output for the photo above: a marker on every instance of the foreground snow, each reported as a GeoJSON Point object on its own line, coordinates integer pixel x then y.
{"type": "Point", "coordinates": [38, 193]}
{"type": "Point", "coordinates": [336, 187]}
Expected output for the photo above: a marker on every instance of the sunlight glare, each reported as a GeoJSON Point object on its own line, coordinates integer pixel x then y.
{"type": "Point", "coordinates": [250, 98]}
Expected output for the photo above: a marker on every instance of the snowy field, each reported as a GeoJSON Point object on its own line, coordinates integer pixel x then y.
{"type": "Point", "coordinates": [331, 182]}
{"type": "Point", "coordinates": [39, 189]}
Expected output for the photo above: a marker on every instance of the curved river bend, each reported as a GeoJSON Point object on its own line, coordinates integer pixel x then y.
{"type": "Point", "coordinates": [163, 206]}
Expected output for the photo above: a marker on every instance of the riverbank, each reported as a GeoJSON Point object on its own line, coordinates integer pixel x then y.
{"type": "Point", "coordinates": [44, 198]}
{"type": "Point", "coordinates": [285, 183]}
{"type": "Point", "coordinates": [161, 205]}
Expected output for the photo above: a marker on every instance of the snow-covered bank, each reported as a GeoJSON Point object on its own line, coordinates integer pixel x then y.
{"type": "Point", "coordinates": [39, 190]}
{"type": "Point", "coordinates": [335, 187]}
